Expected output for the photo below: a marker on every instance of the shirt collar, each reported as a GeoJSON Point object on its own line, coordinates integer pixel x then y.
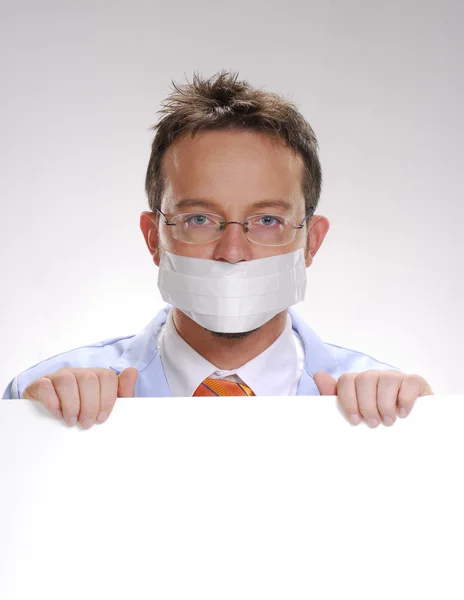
{"type": "Point", "coordinates": [185, 368]}
{"type": "Point", "coordinates": [142, 348]}
{"type": "Point", "coordinates": [273, 372]}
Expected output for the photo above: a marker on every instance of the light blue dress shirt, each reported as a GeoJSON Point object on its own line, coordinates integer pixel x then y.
{"type": "Point", "coordinates": [142, 352]}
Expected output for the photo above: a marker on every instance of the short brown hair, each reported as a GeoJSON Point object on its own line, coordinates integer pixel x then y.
{"type": "Point", "coordinates": [223, 102]}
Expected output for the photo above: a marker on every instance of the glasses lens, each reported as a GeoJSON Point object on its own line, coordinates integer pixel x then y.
{"type": "Point", "coordinates": [203, 228]}
{"type": "Point", "coordinates": [196, 228]}
{"type": "Point", "coordinates": [270, 230]}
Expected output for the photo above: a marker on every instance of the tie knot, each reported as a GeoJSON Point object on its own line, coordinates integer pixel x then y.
{"type": "Point", "coordinates": [222, 387]}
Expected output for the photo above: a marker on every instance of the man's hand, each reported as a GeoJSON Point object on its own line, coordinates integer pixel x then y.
{"type": "Point", "coordinates": [374, 396]}
{"type": "Point", "coordinates": [86, 396]}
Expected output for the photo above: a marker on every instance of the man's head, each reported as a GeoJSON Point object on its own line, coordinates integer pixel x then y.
{"type": "Point", "coordinates": [225, 148]}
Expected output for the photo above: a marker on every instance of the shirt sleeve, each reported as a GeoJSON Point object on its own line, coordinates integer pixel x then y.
{"type": "Point", "coordinates": [11, 392]}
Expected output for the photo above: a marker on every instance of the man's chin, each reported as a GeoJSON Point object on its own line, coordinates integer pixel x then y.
{"type": "Point", "coordinates": [232, 336]}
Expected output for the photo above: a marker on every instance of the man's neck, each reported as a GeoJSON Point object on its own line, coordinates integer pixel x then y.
{"type": "Point", "coordinates": [226, 353]}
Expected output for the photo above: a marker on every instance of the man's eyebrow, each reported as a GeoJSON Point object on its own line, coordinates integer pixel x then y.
{"type": "Point", "coordinates": [272, 204]}
{"type": "Point", "coordinates": [187, 203]}
{"type": "Point", "coordinates": [191, 203]}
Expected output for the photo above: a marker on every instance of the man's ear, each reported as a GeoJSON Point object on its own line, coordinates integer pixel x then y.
{"type": "Point", "coordinates": [148, 225]}
{"type": "Point", "coordinates": [318, 228]}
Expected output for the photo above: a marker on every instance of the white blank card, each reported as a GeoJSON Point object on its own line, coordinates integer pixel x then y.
{"type": "Point", "coordinates": [232, 498]}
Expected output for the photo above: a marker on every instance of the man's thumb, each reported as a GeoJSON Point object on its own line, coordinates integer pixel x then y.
{"type": "Point", "coordinates": [126, 382]}
{"type": "Point", "coordinates": [326, 383]}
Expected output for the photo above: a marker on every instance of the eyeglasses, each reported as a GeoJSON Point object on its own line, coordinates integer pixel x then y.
{"type": "Point", "coordinates": [204, 228]}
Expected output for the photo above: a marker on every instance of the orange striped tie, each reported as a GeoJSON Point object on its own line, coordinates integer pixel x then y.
{"type": "Point", "coordinates": [222, 387]}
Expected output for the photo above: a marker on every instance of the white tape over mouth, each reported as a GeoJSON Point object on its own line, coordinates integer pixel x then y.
{"type": "Point", "coordinates": [232, 298]}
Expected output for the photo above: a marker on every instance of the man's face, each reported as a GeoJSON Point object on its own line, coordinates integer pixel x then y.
{"type": "Point", "coordinates": [232, 170]}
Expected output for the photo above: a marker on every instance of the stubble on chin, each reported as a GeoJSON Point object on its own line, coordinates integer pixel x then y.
{"type": "Point", "coordinates": [231, 336]}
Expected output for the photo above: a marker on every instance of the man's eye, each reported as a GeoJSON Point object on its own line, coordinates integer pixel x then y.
{"type": "Point", "coordinates": [197, 220]}
{"type": "Point", "coordinates": [267, 221]}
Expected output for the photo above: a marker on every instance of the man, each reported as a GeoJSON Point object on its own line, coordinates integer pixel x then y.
{"type": "Point", "coordinates": [233, 183]}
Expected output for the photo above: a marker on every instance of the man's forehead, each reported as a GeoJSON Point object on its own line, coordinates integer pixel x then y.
{"type": "Point", "coordinates": [216, 164]}
{"type": "Point", "coordinates": [213, 148]}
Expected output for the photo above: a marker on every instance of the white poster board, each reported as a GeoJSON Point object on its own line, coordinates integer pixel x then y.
{"type": "Point", "coordinates": [232, 498]}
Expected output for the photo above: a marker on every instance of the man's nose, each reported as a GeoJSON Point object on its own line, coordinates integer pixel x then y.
{"type": "Point", "coordinates": [233, 245]}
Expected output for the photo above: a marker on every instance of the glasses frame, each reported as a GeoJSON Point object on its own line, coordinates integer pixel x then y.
{"type": "Point", "coordinates": [223, 225]}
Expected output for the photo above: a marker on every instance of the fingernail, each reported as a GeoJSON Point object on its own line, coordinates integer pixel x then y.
{"type": "Point", "coordinates": [372, 422]}
{"type": "Point", "coordinates": [355, 419]}
{"type": "Point", "coordinates": [86, 423]}
{"type": "Point", "coordinates": [58, 414]}
{"type": "Point", "coordinates": [102, 416]}
{"type": "Point", "coordinates": [403, 412]}
{"type": "Point", "coordinates": [388, 421]}
{"type": "Point", "coordinates": [72, 421]}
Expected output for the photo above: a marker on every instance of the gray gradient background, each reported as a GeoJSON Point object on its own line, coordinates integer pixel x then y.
{"type": "Point", "coordinates": [380, 82]}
